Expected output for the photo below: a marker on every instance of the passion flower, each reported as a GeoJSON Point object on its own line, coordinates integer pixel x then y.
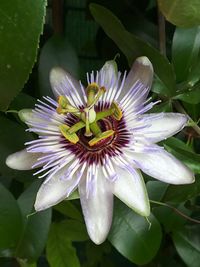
{"type": "Point", "coordinates": [97, 139]}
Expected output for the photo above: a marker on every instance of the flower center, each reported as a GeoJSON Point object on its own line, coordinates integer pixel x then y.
{"type": "Point", "coordinates": [105, 125]}
{"type": "Point", "coordinates": [91, 128]}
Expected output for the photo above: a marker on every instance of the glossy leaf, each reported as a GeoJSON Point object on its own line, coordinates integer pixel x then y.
{"type": "Point", "coordinates": [57, 51]}
{"type": "Point", "coordinates": [185, 50]}
{"type": "Point", "coordinates": [190, 158]}
{"type": "Point", "coordinates": [74, 230]}
{"type": "Point", "coordinates": [133, 237]}
{"type": "Point", "coordinates": [183, 13]}
{"type": "Point", "coordinates": [60, 251]}
{"type": "Point", "coordinates": [187, 243]}
{"type": "Point", "coordinates": [169, 218]}
{"type": "Point", "coordinates": [21, 25]}
{"type": "Point", "coordinates": [156, 190]}
{"type": "Point", "coordinates": [69, 209]}
{"type": "Point", "coordinates": [36, 226]}
{"type": "Point", "coordinates": [192, 96]}
{"type": "Point", "coordinates": [10, 219]}
{"type": "Point", "coordinates": [12, 139]}
{"type": "Point", "coordinates": [181, 193]}
{"type": "Point", "coordinates": [133, 47]}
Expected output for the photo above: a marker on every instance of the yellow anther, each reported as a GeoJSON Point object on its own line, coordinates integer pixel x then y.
{"type": "Point", "coordinates": [65, 107]}
{"type": "Point", "coordinates": [63, 101]}
{"type": "Point", "coordinates": [72, 138]}
{"type": "Point", "coordinates": [101, 137]}
{"type": "Point", "coordinates": [93, 87]}
{"type": "Point", "coordinates": [117, 113]}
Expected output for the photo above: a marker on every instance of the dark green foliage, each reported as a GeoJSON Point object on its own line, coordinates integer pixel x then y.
{"type": "Point", "coordinates": [95, 32]}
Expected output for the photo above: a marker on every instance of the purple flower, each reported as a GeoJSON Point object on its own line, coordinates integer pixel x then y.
{"type": "Point", "coordinates": [97, 139]}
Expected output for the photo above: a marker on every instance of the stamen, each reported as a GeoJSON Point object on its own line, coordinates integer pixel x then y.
{"type": "Point", "coordinates": [72, 138]}
{"type": "Point", "coordinates": [92, 90]}
{"type": "Point", "coordinates": [100, 92]}
{"type": "Point", "coordinates": [101, 137]}
{"type": "Point", "coordinates": [64, 106]}
{"type": "Point", "coordinates": [117, 114]}
{"type": "Point", "coordinates": [79, 125]}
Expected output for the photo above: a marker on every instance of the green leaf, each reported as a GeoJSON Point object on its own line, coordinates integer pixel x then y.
{"type": "Point", "coordinates": [132, 236]}
{"type": "Point", "coordinates": [181, 193]}
{"type": "Point", "coordinates": [192, 96]}
{"type": "Point", "coordinates": [69, 209]}
{"type": "Point", "coordinates": [12, 139]}
{"type": "Point", "coordinates": [185, 50]}
{"type": "Point", "coordinates": [183, 13]}
{"type": "Point", "coordinates": [60, 251]}
{"type": "Point", "coordinates": [156, 190]}
{"type": "Point", "coordinates": [36, 226]}
{"type": "Point", "coordinates": [163, 107]}
{"type": "Point", "coordinates": [133, 47]}
{"type": "Point", "coordinates": [169, 218]}
{"type": "Point", "coordinates": [22, 101]}
{"type": "Point", "coordinates": [10, 219]}
{"type": "Point", "coordinates": [189, 158]}
{"type": "Point", "coordinates": [74, 230]}
{"type": "Point", "coordinates": [21, 25]}
{"type": "Point", "coordinates": [187, 243]}
{"type": "Point", "coordinates": [24, 263]}
{"type": "Point", "coordinates": [57, 51]}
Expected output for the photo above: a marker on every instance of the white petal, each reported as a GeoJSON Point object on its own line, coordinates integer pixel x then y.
{"type": "Point", "coordinates": [22, 160]}
{"type": "Point", "coordinates": [130, 188]}
{"type": "Point", "coordinates": [142, 71]}
{"type": "Point", "coordinates": [161, 126]}
{"type": "Point", "coordinates": [97, 209]}
{"type": "Point", "coordinates": [108, 74]}
{"type": "Point", "coordinates": [163, 166]}
{"type": "Point", "coordinates": [64, 84]}
{"type": "Point", "coordinates": [55, 190]}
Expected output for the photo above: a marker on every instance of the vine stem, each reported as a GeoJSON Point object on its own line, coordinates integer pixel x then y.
{"type": "Point", "coordinates": [175, 210]}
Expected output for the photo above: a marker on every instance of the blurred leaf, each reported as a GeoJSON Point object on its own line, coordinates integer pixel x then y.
{"type": "Point", "coordinates": [189, 158]}
{"type": "Point", "coordinates": [24, 263]}
{"type": "Point", "coordinates": [192, 96]}
{"type": "Point", "coordinates": [69, 209]}
{"type": "Point", "coordinates": [57, 51]}
{"type": "Point", "coordinates": [194, 74]}
{"type": "Point", "coordinates": [21, 25]}
{"type": "Point", "coordinates": [181, 193]}
{"type": "Point", "coordinates": [60, 251]}
{"type": "Point", "coordinates": [156, 190]}
{"type": "Point", "coordinates": [132, 236]}
{"type": "Point", "coordinates": [192, 110]}
{"type": "Point", "coordinates": [183, 13]}
{"type": "Point", "coordinates": [185, 50]}
{"type": "Point", "coordinates": [74, 195]}
{"type": "Point", "coordinates": [133, 47]}
{"type": "Point", "coordinates": [12, 139]}
{"type": "Point", "coordinates": [177, 143]}
{"type": "Point", "coordinates": [163, 107]}
{"type": "Point", "coordinates": [74, 230]}
{"type": "Point", "coordinates": [10, 219]}
{"type": "Point", "coordinates": [22, 101]}
{"type": "Point", "coordinates": [169, 217]}
{"type": "Point", "coordinates": [36, 226]}
{"type": "Point", "coordinates": [187, 243]}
